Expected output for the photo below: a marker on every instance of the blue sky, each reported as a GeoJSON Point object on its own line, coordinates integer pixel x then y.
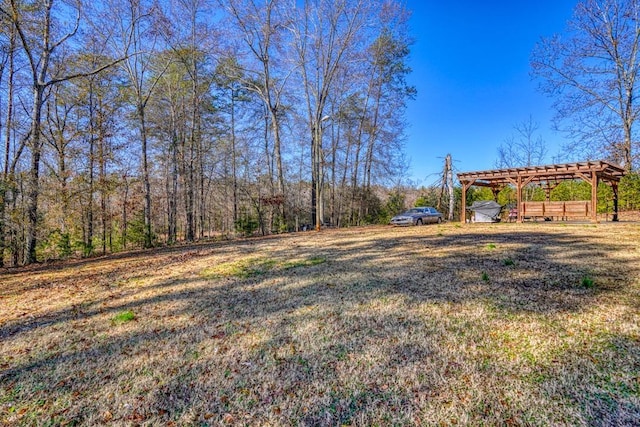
{"type": "Point", "coordinates": [470, 65]}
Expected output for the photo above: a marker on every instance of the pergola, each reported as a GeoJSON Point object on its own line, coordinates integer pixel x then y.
{"type": "Point", "coordinates": [548, 177]}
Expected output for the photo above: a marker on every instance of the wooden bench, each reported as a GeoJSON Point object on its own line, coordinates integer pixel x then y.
{"type": "Point", "coordinates": [577, 209]}
{"type": "Point", "coordinates": [559, 210]}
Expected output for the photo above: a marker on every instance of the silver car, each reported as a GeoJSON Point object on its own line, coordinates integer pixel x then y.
{"type": "Point", "coordinates": [417, 216]}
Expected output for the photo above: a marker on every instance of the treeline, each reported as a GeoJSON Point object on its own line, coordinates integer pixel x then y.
{"type": "Point", "coordinates": [130, 123]}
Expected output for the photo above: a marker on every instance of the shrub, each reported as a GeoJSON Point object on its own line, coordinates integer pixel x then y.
{"type": "Point", "coordinates": [395, 204]}
{"type": "Point", "coordinates": [136, 231]}
{"type": "Point", "coordinates": [56, 245]}
{"type": "Point", "coordinates": [247, 224]}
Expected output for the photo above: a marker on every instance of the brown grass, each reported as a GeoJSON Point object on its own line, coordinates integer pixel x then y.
{"type": "Point", "coordinates": [433, 325]}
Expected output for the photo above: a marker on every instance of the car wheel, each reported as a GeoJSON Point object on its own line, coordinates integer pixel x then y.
{"type": "Point", "coordinates": [419, 221]}
{"type": "Point", "coordinates": [439, 220]}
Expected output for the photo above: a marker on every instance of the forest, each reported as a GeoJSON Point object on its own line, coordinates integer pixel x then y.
{"type": "Point", "coordinates": [136, 123]}
{"type": "Point", "coordinates": [133, 123]}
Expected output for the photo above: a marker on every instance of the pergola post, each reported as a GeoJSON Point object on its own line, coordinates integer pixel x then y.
{"type": "Point", "coordinates": [614, 187]}
{"type": "Point", "coordinates": [465, 187]}
{"type": "Point", "coordinates": [594, 196]}
{"type": "Point", "coordinates": [463, 204]}
{"type": "Point", "coordinates": [519, 196]}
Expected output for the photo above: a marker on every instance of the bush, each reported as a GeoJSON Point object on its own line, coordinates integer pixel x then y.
{"type": "Point", "coordinates": [395, 203]}
{"type": "Point", "coordinates": [426, 201]}
{"type": "Point", "coordinates": [56, 245]}
{"type": "Point", "coordinates": [136, 231]}
{"type": "Point", "coordinates": [246, 224]}
{"type": "Point", "coordinates": [629, 192]}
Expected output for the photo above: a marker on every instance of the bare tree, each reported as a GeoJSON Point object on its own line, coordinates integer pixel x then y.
{"type": "Point", "coordinates": [39, 43]}
{"type": "Point", "coordinates": [328, 31]}
{"type": "Point", "coordinates": [167, 117]}
{"type": "Point", "coordinates": [525, 147]}
{"type": "Point", "coordinates": [390, 91]}
{"type": "Point", "coordinates": [60, 134]}
{"type": "Point", "coordinates": [8, 64]}
{"type": "Point", "coordinates": [137, 41]}
{"type": "Point", "coordinates": [591, 72]}
{"type": "Point", "coordinates": [352, 60]}
{"type": "Point", "coordinates": [232, 94]}
{"type": "Point", "coordinates": [262, 28]}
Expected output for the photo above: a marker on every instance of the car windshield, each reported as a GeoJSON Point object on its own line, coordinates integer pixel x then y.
{"type": "Point", "coordinates": [414, 211]}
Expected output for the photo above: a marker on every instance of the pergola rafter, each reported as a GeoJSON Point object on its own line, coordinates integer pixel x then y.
{"type": "Point", "coordinates": [593, 172]}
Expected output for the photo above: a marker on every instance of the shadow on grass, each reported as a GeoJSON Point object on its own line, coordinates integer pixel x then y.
{"type": "Point", "coordinates": [326, 344]}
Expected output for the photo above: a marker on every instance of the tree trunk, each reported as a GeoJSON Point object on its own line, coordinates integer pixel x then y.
{"type": "Point", "coordinates": [269, 160]}
{"type": "Point", "coordinates": [4, 182]}
{"type": "Point", "coordinates": [202, 194]}
{"type": "Point", "coordinates": [354, 184]}
{"type": "Point", "coordinates": [3, 203]}
{"type": "Point", "coordinates": [16, 243]}
{"type": "Point", "coordinates": [370, 149]}
{"type": "Point", "coordinates": [88, 244]}
{"type": "Point", "coordinates": [64, 190]}
{"type": "Point", "coordinates": [627, 157]}
{"type": "Point", "coordinates": [315, 221]}
{"type": "Point", "coordinates": [172, 210]}
{"type": "Point", "coordinates": [233, 158]}
{"type": "Point", "coordinates": [125, 199]}
{"type": "Point", "coordinates": [452, 199]}
{"type": "Point", "coordinates": [102, 179]}
{"type": "Point", "coordinates": [188, 199]}
{"type": "Point", "coordinates": [278, 158]}
{"type": "Point", "coordinates": [34, 176]}
{"type": "Point", "coordinates": [332, 196]}
{"type": "Point", "coordinates": [343, 181]}
{"type": "Point", "coordinates": [148, 242]}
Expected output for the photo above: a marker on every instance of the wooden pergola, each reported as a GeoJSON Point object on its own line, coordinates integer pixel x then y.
{"type": "Point", "coordinates": [548, 177]}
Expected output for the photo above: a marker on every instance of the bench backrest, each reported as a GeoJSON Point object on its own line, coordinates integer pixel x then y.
{"type": "Point", "coordinates": [573, 209]}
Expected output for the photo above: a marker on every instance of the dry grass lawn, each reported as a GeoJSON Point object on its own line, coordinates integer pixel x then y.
{"type": "Point", "coordinates": [501, 324]}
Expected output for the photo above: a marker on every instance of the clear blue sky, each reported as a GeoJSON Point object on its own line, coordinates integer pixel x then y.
{"type": "Point", "coordinates": [470, 65]}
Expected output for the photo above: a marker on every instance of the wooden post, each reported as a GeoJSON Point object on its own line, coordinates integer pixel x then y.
{"type": "Point", "coordinates": [614, 187]}
{"type": "Point", "coordinates": [465, 187]}
{"type": "Point", "coordinates": [594, 196]}
{"type": "Point", "coordinates": [519, 195]}
{"type": "Point", "coordinates": [463, 203]}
